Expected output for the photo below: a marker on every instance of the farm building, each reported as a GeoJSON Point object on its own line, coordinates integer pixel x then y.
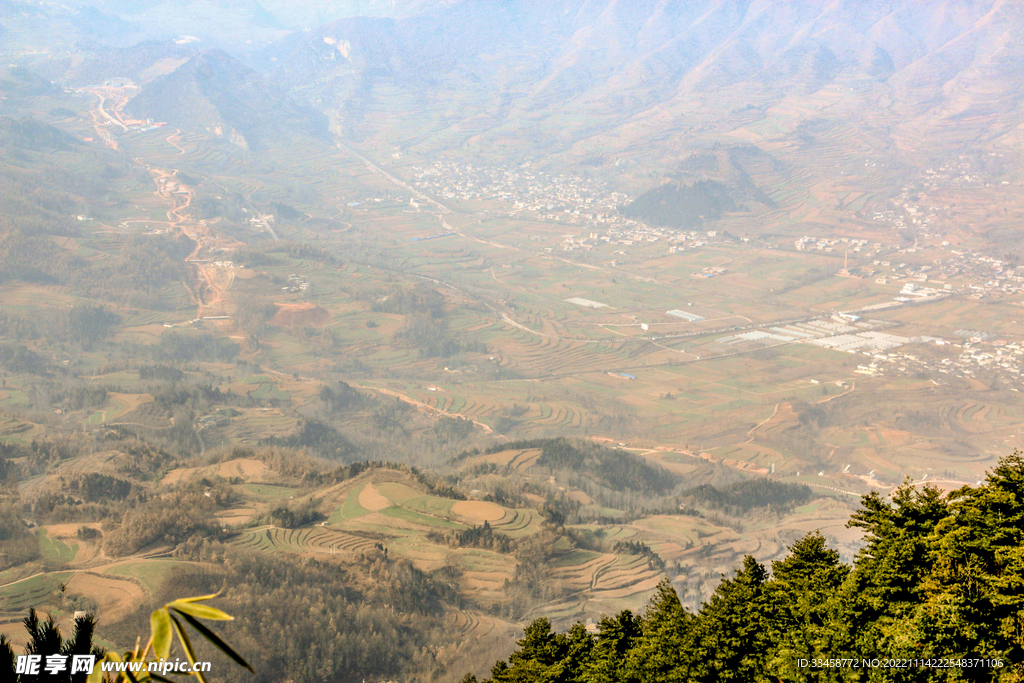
{"type": "Point", "coordinates": [692, 317]}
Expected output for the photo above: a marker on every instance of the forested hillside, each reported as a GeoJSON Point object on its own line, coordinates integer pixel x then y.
{"type": "Point", "coordinates": [936, 592]}
{"type": "Point", "coordinates": [680, 206]}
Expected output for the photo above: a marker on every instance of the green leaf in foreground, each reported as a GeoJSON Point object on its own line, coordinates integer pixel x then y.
{"type": "Point", "coordinates": [160, 628]}
{"type": "Point", "coordinates": [187, 645]}
{"type": "Point", "coordinates": [198, 611]}
{"type": "Point", "coordinates": [216, 640]}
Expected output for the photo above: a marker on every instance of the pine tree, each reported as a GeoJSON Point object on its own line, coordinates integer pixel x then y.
{"type": "Point", "coordinates": [616, 636]}
{"type": "Point", "coordinates": [728, 639]}
{"type": "Point", "coordinates": [45, 639]}
{"type": "Point", "coordinates": [974, 600]}
{"type": "Point", "coordinates": [799, 603]}
{"type": "Point", "coordinates": [658, 656]}
{"type": "Point", "coordinates": [940, 576]}
{"type": "Point", "coordinates": [538, 659]}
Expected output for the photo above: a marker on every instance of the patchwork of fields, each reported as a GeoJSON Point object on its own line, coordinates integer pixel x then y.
{"type": "Point", "coordinates": [348, 317]}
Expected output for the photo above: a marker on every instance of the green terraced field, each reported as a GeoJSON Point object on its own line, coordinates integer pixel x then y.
{"type": "Point", "coordinates": [269, 391]}
{"type": "Point", "coordinates": [54, 550]}
{"type": "Point", "coordinates": [522, 523]}
{"type": "Point", "coordinates": [269, 491]}
{"type": "Point", "coordinates": [418, 518]}
{"type": "Point", "coordinates": [430, 505]}
{"type": "Point", "coordinates": [351, 507]}
{"type": "Point", "coordinates": [307, 539]}
{"type": "Point", "coordinates": [397, 493]}
{"type": "Point", "coordinates": [31, 592]}
{"type": "Point", "coordinates": [150, 573]}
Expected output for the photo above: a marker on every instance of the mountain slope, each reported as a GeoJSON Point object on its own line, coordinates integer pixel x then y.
{"type": "Point", "coordinates": [216, 92]}
{"type": "Point", "coordinates": [141, 62]}
{"type": "Point", "coordinates": [569, 72]}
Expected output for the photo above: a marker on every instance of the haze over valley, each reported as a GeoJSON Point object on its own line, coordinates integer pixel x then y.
{"type": "Point", "coordinates": [426, 319]}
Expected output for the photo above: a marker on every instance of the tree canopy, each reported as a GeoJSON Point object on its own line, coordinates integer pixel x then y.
{"type": "Point", "coordinates": [941, 577]}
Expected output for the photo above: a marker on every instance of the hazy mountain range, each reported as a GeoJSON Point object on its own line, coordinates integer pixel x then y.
{"type": "Point", "coordinates": [578, 74]}
{"type": "Point", "coordinates": [595, 78]}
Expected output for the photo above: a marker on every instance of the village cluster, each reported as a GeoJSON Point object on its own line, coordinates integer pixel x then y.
{"type": "Point", "coordinates": [971, 272]}
{"type": "Point", "coordinates": [559, 197]}
{"type": "Point", "coordinates": [562, 198]}
{"type": "Point", "coordinates": [980, 355]}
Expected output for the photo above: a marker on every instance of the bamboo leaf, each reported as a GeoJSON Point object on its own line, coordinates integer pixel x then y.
{"type": "Point", "coordinates": [187, 645]}
{"type": "Point", "coordinates": [130, 656]}
{"type": "Point", "coordinates": [160, 627]}
{"type": "Point", "coordinates": [217, 642]}
{"type": "Point", "coordinates": [97, 673]}
{"type": "Point", "coordinates": [198, 598]}
{"type": "Point", "coordinates": [199, 611]}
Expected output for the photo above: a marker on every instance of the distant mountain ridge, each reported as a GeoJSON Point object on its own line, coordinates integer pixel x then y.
{"type": "Point", "coordinates": [217, 93]}
{"type": "Point", "coordinates": [31, 134]}
{"type": "Point", "coordinates": [571, 72]}
{"type": "Point", "coordinates": [17, 79]}
{"type": "Point", "coordinates": [18, 86]}
{"type": "Point", "coordinates": [140, 62]}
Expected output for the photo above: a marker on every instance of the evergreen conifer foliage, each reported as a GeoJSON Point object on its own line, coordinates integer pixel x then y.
{"type": "Point", "coordinates": [45, 639]}
{"type": "Point", "coordinates": [941, 578]}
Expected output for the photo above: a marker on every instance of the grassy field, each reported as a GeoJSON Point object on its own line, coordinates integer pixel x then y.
{"type": "Point", "coordinates": [31, 592]}
{"type": "Point", "coordinates": [55, 551]}
{"type": "Point", "coordinates": [152, 574]}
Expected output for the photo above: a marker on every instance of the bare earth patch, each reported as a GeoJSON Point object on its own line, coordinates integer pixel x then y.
{"type": "Point", "coordinates": [67, 530]}
{"type": "Point", "coordinates": [116, 598]}
{"type": "Point", "coordinates": [246, 468]}
{"type": "Point", "coordinates": [478, 510]}
{"type": "Point", "coordinates": [372, 500]}
{"type": "Point", "coordinates": [243, 467]}
{"type": "Point", "coordinates": [298, 315]}
{"type": "Point", "coordinates": [130, 403]}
